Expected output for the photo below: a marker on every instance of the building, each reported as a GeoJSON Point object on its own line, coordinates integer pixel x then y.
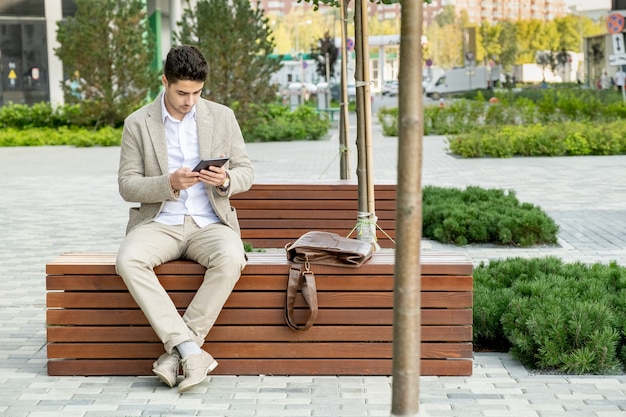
{"type": "Point", "coordinates": [492, 11]}
{"type": "Point", "coordinates": [31, 72]}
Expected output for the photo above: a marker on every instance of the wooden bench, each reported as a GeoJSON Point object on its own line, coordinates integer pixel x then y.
{"type": "Point", "coordinates": [94, 326]}
{"type": "Point", "coordinates": [271, 214]}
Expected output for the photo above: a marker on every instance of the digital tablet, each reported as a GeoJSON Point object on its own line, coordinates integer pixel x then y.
{"type": "Point", "coordinates": [206, 163]}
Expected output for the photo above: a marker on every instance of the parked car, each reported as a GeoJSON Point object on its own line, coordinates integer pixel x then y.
{"type": "Point", "coordinates": [390, 88]}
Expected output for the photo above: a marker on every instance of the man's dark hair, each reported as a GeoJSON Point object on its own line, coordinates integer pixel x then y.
{"type": "Point", "coordinates": [185, 62]}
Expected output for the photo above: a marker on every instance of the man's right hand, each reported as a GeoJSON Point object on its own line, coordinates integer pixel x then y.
{"type": "Point", "coordinates": [183, 178]}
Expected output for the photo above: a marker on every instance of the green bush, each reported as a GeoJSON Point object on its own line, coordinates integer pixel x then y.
{"type": "Point", "coordinates": [569, 318]}
{"type": "Point", "coordinates": [555, 139]}
{"type": "Point", "coordinates": [79, 137]}
{"type": "Point", "coordinates": [276, 122]}
{"type": "Point", "coordinates": [40, 124]}
{"type": "Point", "coordinates": [531, 122]}
{"type": "Point", "coordinates": [477, 215]}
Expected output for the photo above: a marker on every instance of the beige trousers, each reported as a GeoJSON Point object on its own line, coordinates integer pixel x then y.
{"type": "Point", "coordinates": [216, 246]}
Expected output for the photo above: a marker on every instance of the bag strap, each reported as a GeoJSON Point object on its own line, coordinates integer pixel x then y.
{"type": "Point", "coordinates": [305, 282]}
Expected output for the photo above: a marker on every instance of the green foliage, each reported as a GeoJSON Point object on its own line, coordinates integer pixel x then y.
{"type": "Point", "coordinates": [106, 53]}
{"type": "Point", "coordinates": [553, 316]}
{"type": "Point", "coordinates": [22, 116]}
{"type": "Point", "coordinates": [551, 122]}
{"type": "Point", "coordinates": [40, 124]}
{"type": "Point", "coordinates": [278, 123]}
{"type": "Point", "coordinates": [45, 136]}
{"type": "Point", "coordinates": [237, 44]}
{"type": "Point", "coordinates": [477, 215]}
{"type": "Point", "coordinates": [555, 139]}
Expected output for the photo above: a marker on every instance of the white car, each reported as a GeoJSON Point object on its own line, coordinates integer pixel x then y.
{"type": "Point", "coordinates": [390, 88]}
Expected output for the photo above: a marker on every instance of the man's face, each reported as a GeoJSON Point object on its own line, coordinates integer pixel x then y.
{"type": "Point", "coordinates": [181, 96]}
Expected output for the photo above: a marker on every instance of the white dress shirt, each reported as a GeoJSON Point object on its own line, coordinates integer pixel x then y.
{"type": "Point", "coordinates": [183, 151]}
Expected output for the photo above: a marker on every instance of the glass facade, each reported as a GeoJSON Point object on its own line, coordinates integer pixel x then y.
{"type": "Point", "coordinates": [23, 61]}
{"type": "Point", "coordinates": [24, 77]}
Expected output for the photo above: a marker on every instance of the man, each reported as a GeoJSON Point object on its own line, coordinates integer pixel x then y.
{"type": "Point", "coordinates": [620, 79]}
{"type": "Point", "coordinates": [182, 214]}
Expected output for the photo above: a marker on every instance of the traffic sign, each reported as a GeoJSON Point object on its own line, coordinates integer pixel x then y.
{"type": "Point", "coordinates": [615, 23]}
{"type": "Point", "coordinates": [618, 43]}
{"type": "Point", "coordinates": [617, 60]}
{"type": "Point", "coordinates": [350, 44]}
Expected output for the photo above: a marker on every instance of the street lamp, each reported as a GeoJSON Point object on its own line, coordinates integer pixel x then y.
{"type": "Point", "coordinates": [306, 22]}
{"type": "Point", "coordinates": [575, 9]}
{"type": "Point", "coordinates": [301, 55]}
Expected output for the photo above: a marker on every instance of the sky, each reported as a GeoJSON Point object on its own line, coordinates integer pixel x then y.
{"type": "Point", "coordinates": [589, 4]}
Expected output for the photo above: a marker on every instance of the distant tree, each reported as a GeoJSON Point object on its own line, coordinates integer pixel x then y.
{"type": "Point", "coordinates": [107, 55]}
{"type": "Point", "coordinates": [237, 43]}
{"type": "Point", "coordinates": [326, 50]}
{"type": "Point", "coordinates": [490, 44]}
{"type": "Point", "coordinates": [509, 46]}
{"type": "Point", "coordinates": [446, 17]}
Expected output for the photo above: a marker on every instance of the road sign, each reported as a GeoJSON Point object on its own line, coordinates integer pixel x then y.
{"type": "Point", "coordinates": [615, 23]}
{"type": "Point", "coordinates": [617, 60]}
{"type": "Point", "coordinates": [350, 44]}
{"type": "Point", "coordinates": [618, 43]}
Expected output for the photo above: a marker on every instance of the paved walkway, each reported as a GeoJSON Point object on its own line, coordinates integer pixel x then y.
{"type": "Point", "coordinates": [62, 199]}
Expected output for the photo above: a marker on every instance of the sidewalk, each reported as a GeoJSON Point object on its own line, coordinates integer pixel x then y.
{"type": "Point", "coordinates": [61, 199]}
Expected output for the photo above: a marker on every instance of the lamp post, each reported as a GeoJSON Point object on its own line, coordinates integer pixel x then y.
{"type": "Point", "coordinates": [301, 57]}
{"type": "Point", "coordinates": [306, 22]}
{"type": "Point", "coordinates": [576, 10]}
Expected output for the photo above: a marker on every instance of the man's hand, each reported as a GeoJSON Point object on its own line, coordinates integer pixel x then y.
{"type": "Point", "coordinates": [183, 178]}
{"type": "Point", "coordinates": [213, 175]}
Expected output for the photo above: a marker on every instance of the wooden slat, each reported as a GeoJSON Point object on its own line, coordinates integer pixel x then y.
{"type": "Point", "coordinates": [355, 317]}
{"type": "Point", "coordinates": [119, 300]}
{"type": "Point", "coordinates": [258, 350]}
{"type": "Point", "coordinates": [246, 216]}
{"type": "Point", "coordinates": [262, 263]}
{"type": "Point", "coordinates": [258, 283]}
{"type": "Point", "coordinates": [317, 333]}
{"type": "Point", "coordinates": [429, 367]}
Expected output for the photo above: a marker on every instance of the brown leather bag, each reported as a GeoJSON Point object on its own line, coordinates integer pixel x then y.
{"type": "Point", "coordinates": [322, 248]}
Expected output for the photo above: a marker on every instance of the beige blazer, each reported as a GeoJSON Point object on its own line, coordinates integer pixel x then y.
{"type": "Point", "coordinates": [143, 175]}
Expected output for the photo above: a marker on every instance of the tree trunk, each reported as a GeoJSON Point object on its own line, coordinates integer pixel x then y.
{"type": "Point", "coordinates": [407, 275]}
{"type": "Point", "coordinates": [344, 149]}
{"type": "Point", "coordinates": [366, 217]}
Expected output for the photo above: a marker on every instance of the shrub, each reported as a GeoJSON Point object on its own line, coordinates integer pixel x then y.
{"type": "Point", "coordinates": [78, 137]}
{"type": "Point", "coordinates": [68, 125]}
{"type": "Point", "coordinates": [277, 122]}
{"type": "Point", "coordinates": [553, 316]}
{"type": "Point", "coordinates": [556, 139]}
{"type": "Point", "coordinates": [477, 215]}
{"type": "Point", "coordinates": [540, 122]}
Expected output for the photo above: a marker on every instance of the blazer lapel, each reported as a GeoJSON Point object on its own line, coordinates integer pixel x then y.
{"type": "Point", "coordinates": [156, 130]}
{"type": "Point", "coordinates": [205, 125]}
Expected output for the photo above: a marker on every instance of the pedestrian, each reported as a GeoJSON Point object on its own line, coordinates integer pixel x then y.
{"type": "Point", "coordinates": [182, 213]}
{"type": "Point", "coordinates": [605, 81]}
{"type": "Point", "coordinates": [620, 78]}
